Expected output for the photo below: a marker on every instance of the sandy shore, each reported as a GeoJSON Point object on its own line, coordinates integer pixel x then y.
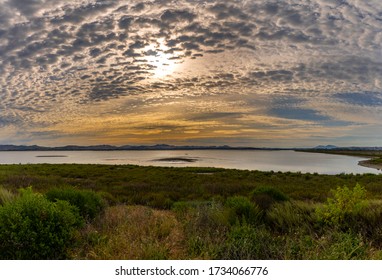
{"type": "Point", "coordinates": [366, 163]}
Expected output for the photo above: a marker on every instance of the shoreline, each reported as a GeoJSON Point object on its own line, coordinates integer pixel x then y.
{"type": "Point", "coordinates": [368, 164]}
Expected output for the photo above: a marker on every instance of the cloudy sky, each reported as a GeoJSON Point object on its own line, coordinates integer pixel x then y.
{"type": "Point", "coordinates": [243, 73]}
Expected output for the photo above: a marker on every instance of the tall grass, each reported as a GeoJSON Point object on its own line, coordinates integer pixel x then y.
{"type": "Point", "coordinates": [181, 213]}
{"type": "Point", "coordinates": [248, 242]}
{"type": "Point", "coordinates": [159, 187]}
{"type": "Point", "coordinates": [132, 232]}
{"type": "Point", "coordinates": [292, 216]}
{"type": "Point", "coordinates": [205, 225]}
{"type": "Point", "coordinates": [242, 210]}
{"type": "Point", "coordinates": [6, 196]}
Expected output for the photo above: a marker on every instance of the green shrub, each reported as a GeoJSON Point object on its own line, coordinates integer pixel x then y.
{"type": "Point", "coordinates": [32, 227]}
{"type": "Point", "coordinates": [345, 202]}
{"type": "Point", "coordinates": [159, 201]}
{"type": "Point", "coordinates": [264, 197]}
{"type": "Point", "coordinates": [242, 209]}
{"type": "Point", "coordinates": [89, 203]}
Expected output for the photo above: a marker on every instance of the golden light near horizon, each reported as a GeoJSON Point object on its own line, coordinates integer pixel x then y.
{"type": "Point", "coordinates": [163, 62]}
{"type": "Point", "coordinates": [242, 72]}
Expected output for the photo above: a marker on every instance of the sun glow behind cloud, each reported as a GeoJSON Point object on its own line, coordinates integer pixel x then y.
{"type": "Point", "coordinates": [243, 72]}
{"type": "Point", "coordinates": [164, 64]}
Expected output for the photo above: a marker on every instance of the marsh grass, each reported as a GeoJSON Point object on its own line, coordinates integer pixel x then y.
{"type": "Point", "coordinates": [338, 246]}
{"type": "Point", "coordinates": [205, 225]}
{"type": "Point", "coordinates": [6, 196]}
{"type": "Point", "coordinates": [132, 232]}
{"type": "Point", "coordinates": [159, 187]}
{"type": "Point", "coordinates": [206, 213]}
{"type": "Point", "coordinates": [242, 210]}
{"type": "Point", "coordinates": [292, 216]}
{"type": "Point", "coordinates": [246, 242]}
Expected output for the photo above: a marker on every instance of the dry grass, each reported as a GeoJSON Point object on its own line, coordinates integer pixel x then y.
{"type": "Point", "coordinates": [133, 232]}
{"type": "Point", "coordinates": [5, 196]}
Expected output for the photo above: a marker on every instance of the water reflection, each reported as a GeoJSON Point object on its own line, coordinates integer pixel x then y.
{"type": "Point", "coordinates": [243, 159]}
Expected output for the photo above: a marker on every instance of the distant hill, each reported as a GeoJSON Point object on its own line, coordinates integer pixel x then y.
{"type": "Point", "coordinates": [327, 147]}
{"type": "Point", "coordinates": [172, 147]}
{"type": "Point", "coordinates": [22, 148]}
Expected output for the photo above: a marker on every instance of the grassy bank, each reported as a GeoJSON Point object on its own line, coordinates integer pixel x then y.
{"type": "Point", "coordinates": [204, 213]}
{"type": "Point", "coordinates": [348, 152]}
{"type": "Point", "coordinates": [375, 160]}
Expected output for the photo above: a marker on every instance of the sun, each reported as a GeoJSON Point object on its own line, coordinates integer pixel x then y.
{"type": "Point", "coordinates": [163, 63]}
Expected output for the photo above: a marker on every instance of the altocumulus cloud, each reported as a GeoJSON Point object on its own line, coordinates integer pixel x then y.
{"type": "Point", "coordinates": [255, 70]}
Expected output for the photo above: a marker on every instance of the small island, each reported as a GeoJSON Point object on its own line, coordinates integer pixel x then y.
{"type": "Point", "coordinates": [51, 156]}
{"type": "Point", "coordinates": [177, 159]}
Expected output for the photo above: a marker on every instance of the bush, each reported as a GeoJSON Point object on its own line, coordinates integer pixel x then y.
{"type": "Point", "coordinates": [89, 203]}
{"type": "Point", "coordinates": [345, 203]}
{"type": "Point", "coordinates": [242, 209]}
{"type": "Point", "coordinates": [264, 197]}
{"type": "Point", "coordinates": [31, 227]}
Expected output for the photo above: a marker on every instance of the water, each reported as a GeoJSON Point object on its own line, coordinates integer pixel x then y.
{"type": "Point", "coordinates": [237, 159]}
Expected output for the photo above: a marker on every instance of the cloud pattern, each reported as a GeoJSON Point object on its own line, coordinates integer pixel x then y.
{"type": "Point", "coordinates": [191, 70]}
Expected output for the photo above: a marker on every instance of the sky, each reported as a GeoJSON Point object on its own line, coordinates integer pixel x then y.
{"type": "Point", "coordinates": [241, 73]}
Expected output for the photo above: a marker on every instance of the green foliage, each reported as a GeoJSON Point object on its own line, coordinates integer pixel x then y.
{"type": "Point", "coordinates": [246, 242]}
{"type": "Point", "coordinates": [205, 224]}
{"type": "Point", "coordinates": [341, 246]}
{"type": "Point", "coordinates": [266, 196]}
{"type": "Point", "coordinates": [136, 184]}
{"type": "Point", "coordinates": [289, 216]}
{"type": "Point", "coordinates": [345, 202]}
{"type": "Point", "coordinates": [89, 203]}
{"type": "Point", "coordinates": [31, 227]}
{"type": "Point", "coordinates": [376, 160]}
{"type": "Point", "coordinates": [367, 222]}
{"type": "Point", "coordinates": [331, 245]}
{"type": "Point", "coordinates": [159, 201]}
{"type": "Point", "coordinates": [203, 213]}
{"type": "Point", "coordinates": [243, 210]}
{"type": "Point", "coordinates": [211, 216]}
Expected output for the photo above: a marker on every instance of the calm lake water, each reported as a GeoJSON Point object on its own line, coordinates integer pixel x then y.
{"type": "Point", "coordinates": [243, 159]}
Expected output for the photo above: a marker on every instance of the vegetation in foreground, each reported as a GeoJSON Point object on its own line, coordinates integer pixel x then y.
{"type": "Point", "coordinates": [131, 212]}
